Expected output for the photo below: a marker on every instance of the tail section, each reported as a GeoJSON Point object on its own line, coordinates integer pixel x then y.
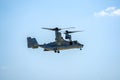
{"type": "Point", "coordinates": [32, 43]}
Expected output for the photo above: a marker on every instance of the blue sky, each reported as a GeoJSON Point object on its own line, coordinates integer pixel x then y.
{"type": "Point", "coordinates": [99, 59]}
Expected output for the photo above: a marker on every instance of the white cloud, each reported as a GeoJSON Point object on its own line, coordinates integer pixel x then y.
{"type": "Point", "coordinates": [110, 11]}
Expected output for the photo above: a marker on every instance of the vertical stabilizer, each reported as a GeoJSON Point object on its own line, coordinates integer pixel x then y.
{"type": "Point", "coordinates": [32, 42]}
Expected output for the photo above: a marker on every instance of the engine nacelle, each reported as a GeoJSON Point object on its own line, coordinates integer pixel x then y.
{"type": "Point", "coordinates": [67, 36]}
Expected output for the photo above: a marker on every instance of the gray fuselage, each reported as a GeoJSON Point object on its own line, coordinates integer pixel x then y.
{"type": "Point", "coordinates": [61, 46]}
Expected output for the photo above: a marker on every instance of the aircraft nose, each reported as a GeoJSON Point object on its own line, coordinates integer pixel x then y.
{"type": "Point", "coordinates": [81, 45]}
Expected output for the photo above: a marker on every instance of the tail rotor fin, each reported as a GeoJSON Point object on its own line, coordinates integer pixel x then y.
{"type": "Point", "coordinates": [32, 42]}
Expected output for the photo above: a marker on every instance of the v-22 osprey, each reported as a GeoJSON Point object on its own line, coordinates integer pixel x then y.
{"type": "Point", "coordinates": [59, 44]}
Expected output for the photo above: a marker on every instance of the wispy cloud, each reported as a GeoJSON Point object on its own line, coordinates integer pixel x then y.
{"type": "Point", "coordinates": [110, 11]}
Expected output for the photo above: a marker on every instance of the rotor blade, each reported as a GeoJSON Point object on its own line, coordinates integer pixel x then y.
{"type": "Point", "coordinates": [66, 32]}
{"type": "Point", "coordinates": [75, 31]}
{"type": "Point", "coordinates": [68, 28]}
{"type": "Point", "coordinates": [53, 29]}
{"type": "Point", "coordinates": [57, 29]}
{"type": "Point", "coordinates": [47, 28]}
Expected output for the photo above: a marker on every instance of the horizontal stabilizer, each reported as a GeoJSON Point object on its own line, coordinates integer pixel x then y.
{"type": "Point", "coordinates": [32, 42]}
